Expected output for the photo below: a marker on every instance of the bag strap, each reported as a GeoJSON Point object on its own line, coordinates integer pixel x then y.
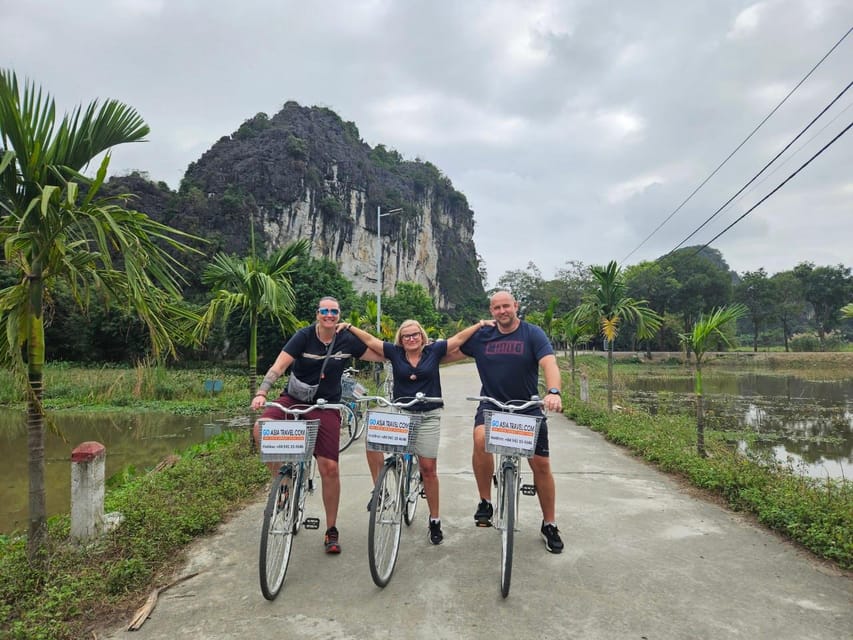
{"type": "Point", "coordinates": [328, 353]}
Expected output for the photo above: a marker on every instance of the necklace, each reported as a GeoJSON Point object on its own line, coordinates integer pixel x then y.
{"type": "Point", "coordinates": [320, 338]}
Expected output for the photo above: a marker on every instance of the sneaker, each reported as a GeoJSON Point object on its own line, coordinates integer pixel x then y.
{"type": "Point", "coordinates": [551, 536]}
{"type": "Point", "coordinates": [435, 534]}
{"type": "Point", "coordinates": [483, 516]}
{"type": "Point", "coordinates": [331, 540]}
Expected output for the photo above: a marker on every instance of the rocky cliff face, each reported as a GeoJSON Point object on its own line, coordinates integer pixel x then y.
{"type": "Point", "coordinates": [304, 173]}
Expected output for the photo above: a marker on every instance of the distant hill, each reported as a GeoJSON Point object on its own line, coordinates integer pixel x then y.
{"type": "Point", "coordinates": [305, 173]}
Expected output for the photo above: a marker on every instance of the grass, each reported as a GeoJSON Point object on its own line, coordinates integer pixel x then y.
{"type": "Point", "coordinates": [163, 511]}
{"type": "Point", "coordinates": [817, 514]}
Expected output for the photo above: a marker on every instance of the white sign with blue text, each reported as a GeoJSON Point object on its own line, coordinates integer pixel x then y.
{"type": "Point", "coordinates": [388, 428]}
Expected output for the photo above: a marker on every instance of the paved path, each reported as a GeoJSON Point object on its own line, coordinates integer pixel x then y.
{"type": "Point", "coordinates": [644, 560]}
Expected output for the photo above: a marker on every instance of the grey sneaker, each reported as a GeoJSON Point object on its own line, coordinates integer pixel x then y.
{"type": "Point", "coordinates": [483, 516]}
{"type": "Point", "coordinates": [551, 536]}
{"type": "Point", "coordinates": [435, 534]}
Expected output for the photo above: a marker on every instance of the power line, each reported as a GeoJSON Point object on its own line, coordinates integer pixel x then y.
{"type": "Point", "coordinates": [764, 168]}
{"type": "Point", "coordinates": [745, 140]}
{"type": "Point", "coordinates": [781, 184]}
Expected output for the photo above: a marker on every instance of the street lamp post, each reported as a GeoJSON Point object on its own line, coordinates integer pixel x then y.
{"type": "Point", "coordinates": [379, 216]}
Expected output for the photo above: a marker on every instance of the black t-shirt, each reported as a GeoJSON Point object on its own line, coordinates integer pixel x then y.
{"type": "Point", "coordinates": [308, 353]}
{"type": "Point", "coordinates": [508, 363]}
{"type": "Point", "coordinates": [424, 378]}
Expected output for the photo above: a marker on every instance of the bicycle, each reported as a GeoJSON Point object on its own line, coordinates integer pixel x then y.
{"type": "Point", "coordinates": [510, 436]}
{"type": "Point", "coordinates": [351, 391]}
{"type": "Point", "coordinates": [290, 441]}
{"type": "Point", "coordinates": [398, 485]}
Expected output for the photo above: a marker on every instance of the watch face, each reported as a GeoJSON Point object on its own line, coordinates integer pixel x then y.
{"type": "Point", "coordinates": [554, 391]}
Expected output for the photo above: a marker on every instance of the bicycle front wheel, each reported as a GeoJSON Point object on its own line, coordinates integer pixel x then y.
{"type": "Point", "coordinates": [386, 514]}
{"type": "Point", "coordinates": [508, 506]}
{"type": "Point", "coordinates": [277, 533]}
{"type": "Point", "coordinates": [413, 486]}
{"type": "Point", "coordinates": [349, 428]}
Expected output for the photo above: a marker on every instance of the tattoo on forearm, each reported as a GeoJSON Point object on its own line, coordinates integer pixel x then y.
{"type": "Point", "coordinates": [268, 381]}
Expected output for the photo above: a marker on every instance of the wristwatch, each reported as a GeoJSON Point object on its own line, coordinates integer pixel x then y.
{"type": "Point", "coordinates": [554, 390]}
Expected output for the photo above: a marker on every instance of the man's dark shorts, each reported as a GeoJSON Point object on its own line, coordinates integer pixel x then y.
{"type": "Point", "coordinates": [542, 448]}
{"type": "Point", "coordinates": [329, 435]}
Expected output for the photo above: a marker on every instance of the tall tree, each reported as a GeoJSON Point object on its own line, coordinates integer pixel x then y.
{"type": "Point", "coordinates": [704, 282]}
{"type": "Point", "coordinates": [56, 228]}
{"type": "Point", "coordinates": [789, 304]}
{"type": "Point", "coordinates": [608, 306]}
{"type": "Point", "coordinates": [826, 289]}
{"type": "Point", "coordinates": [706, 331]}
{"type": "Point", "coordinates": [756, 292]}
{"type": "Point", "coordinates": [574, 331]}
{"type": "Point", "coordinates": [257, 286]}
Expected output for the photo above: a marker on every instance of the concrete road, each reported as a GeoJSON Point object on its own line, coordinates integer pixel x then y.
{"type": "Point", "coordinates": [644, 559]}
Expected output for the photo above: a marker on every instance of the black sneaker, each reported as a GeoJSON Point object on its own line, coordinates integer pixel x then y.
{"type": "Point", "coordinates": [483, 516]}
{"type": "Point", "coordinates": [551, 536]}
{"type": "Point", "coordinates": [331, 540]}
{"type": "Point", "coordinates": [435, 534]}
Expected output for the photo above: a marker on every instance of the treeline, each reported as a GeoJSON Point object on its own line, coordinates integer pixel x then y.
{"type": "Point", "coordinates": [799, 309]}
{"type": "Point", "coordinates": [110, 334]}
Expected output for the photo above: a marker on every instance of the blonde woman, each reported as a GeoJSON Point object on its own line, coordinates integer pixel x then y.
{"type": "Point", "coordinates": [416, 362]}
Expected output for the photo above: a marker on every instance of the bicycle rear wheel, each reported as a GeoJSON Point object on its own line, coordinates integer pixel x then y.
{"type": "Point", "coordinates": [413, 485]}
{"type": "Point", "coordinates": [386, 513]}
{"type": "Point", "coordinates": [349, 428]}
{"type": "Point", "coordinates": [508, 505]}
{"type": "Point", "coordinates": [277, 532]}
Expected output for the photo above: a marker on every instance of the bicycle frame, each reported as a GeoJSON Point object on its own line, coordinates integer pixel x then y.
{"type": "Point", "coordinates": [284, 513]}
{"type": "Point", "coordinates": [395, 497]}
{"type": "Point", "coordinates": [507, 478]}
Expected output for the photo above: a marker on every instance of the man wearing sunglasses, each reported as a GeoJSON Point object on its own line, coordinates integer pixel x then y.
{"type": "Point", "coordinates": [305, 354]}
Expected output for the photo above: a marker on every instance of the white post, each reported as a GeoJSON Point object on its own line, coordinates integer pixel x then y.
{"type": "Point", "coordinates": [584, 388]}
{"type": "Point", "coordinates": [379, 272]}
{"type": "Point", "coordinates": [87, 491]}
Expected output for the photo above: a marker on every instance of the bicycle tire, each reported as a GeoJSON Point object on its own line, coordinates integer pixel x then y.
{"type": "Point", "coordinates": [508, 506]}
{"type": "Point", "coordinates": [349, 428]}
{"type": "Point", "coordinates": [277, 533]}
{"type": "Point", "coordinates": [412, 489]}
{"type": "Point", "coordinates": [359, 420]}
{"type": "Point", "coordinates": [300, 492]}
{"type": "Point", "coordinates": [386, 514]}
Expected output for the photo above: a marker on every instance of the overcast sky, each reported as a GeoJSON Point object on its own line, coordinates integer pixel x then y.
{"type": "Point", "coordinates": [574, 128]}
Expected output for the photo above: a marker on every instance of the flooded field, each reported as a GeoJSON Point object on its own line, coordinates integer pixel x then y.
{"type": "Point", "coordinates": [802, 417]}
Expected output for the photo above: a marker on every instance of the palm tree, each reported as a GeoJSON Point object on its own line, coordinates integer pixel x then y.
{"type": "Point", "coordinates": [57, 229]}
{"type": "Point", "coordinates": [256, 286]}
{"type": "Point", "coordinates": [608, 305]}
{"type": "Point", "coordinates": [575, 332]}
{"type": "Point", "coordinates": [705, 333]}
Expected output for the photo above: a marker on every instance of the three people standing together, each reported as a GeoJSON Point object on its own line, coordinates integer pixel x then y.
{"type": "Point", "coordinates": [508, 353]}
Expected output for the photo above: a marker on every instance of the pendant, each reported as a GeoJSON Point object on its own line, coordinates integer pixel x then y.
{"type": "Point", "coordinates": [413, 377]}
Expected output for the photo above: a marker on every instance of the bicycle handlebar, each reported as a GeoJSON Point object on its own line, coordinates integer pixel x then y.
{"type": "Point", "coordinates": [318, 404]}
{"type": "Point", "coordinates": [419, 398]}
{"type": "Point", "coordinates": [535, 401]}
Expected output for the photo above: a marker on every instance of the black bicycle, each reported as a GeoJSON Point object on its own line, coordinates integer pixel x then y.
{"type": "Point", "coordinates": [352, 421]}
{"type": "Point", "coordinates": [510, 436]}
{"type": "Point", "coordinates": [291, 442]}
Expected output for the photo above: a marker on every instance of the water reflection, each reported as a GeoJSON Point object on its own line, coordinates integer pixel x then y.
{"type": "Point", "coordinates": [809, 422]}
{"type": "Point", "coordinates": [141, 440]}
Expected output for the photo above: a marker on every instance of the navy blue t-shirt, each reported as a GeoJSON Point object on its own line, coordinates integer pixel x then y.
{"type": "Point", "coordinates": [508, 364]}
{"type": "Point", "coordinates": [424, 378]}
{"type": "Point", "coordinates": [308, 353]}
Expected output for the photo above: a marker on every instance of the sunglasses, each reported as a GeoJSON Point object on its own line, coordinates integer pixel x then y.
{"type": "Point", "coordinates": [410, 336]}
{"type": "Point", "coordinates": [326, 312]}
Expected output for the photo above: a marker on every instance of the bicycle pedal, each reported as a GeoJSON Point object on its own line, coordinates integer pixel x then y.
{"type": "Point", "coordinates": [311, 523]}
{"type": "Point", "coordinates": [528, 489]}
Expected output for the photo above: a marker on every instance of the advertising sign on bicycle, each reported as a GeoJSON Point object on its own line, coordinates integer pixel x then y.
{"type": "Point", "coordinates": [283, 437]}
{"type": "Point", "coordinates": [512, 430]}
{"type": "Point", "coordinates": [388, 428]}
